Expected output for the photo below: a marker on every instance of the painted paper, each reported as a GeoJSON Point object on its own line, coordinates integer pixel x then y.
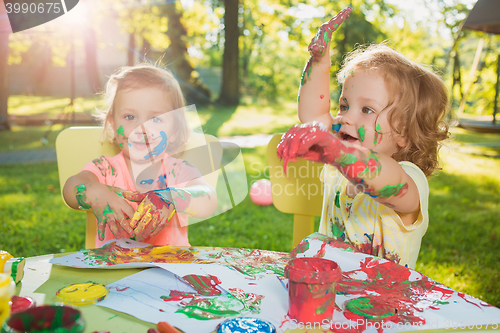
{"type": "Point", "coordinates": [374, 294]}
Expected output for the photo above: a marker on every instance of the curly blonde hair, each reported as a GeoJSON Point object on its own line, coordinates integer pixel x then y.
{"type": "Point", "coordinates": [140, 76]}
{"type": "Point", "coordinates": [417, 106]}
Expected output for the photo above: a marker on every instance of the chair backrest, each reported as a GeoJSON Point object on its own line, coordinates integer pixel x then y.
{"type": "Point", "coordinates": [300, 192]}
{"type": "Point", "coordinates": [76, 146]}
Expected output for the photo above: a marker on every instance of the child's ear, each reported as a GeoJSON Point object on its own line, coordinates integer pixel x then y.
{"type": "Point", "coordinates": [401, 141]}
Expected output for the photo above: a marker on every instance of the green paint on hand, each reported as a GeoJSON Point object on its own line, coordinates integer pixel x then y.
{"type": "Point", "coordinates": [346, 159]}
{"type": "Point", "coordinates": [107, 210]}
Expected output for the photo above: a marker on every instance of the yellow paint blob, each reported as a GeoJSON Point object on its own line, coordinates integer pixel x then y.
{"type": "Point", "coordinates": [7, 288]}
{"type": "Point", "coordinates": [82, 293]}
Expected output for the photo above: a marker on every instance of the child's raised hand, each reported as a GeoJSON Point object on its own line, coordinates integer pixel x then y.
{"type": "Point", "coordinates": [321, 41]}
{"type": "Point", "coordinates": [152, 214]}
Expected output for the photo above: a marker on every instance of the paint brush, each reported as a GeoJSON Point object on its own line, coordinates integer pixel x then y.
{"type": "Point", "coordinates": [165, 327]}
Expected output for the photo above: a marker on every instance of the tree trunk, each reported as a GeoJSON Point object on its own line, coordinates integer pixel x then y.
{"type": "Point", "coordinates": [41, 66]}
{"type": "Point", "coordinates": [91, 61]}
{"type": "Point", "coordinates": [230, 90]}
{"type": "Point", "coordinates": [131, 50]}
{"type": "Point", "coordinates": [177, 57]}
{"type": "Point", "coordinates": [4, 79]}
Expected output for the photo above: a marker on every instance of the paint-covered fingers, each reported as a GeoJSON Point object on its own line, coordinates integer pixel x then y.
{"type": "Point", "coordinates": [126, 230]}
{"type": "Point", "coordinates": [162, 221]}
{"type": "Point", "coordinates": [103, 215]}
{"type": "Point", "coordinates": [321, 41]}
{"type": "Point", "coordinates": [134, 196]}
{"type": "Point", "coordinates": [114, 228]}
{"type": "Point", "coordinates": [141, 217]}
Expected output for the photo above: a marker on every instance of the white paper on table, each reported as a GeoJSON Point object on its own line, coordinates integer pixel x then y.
{"type": "Point", "coordinates": [139, 295]}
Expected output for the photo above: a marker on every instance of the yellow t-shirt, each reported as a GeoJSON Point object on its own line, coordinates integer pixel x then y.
{"type": "Point", "coordinates": [369, 226]}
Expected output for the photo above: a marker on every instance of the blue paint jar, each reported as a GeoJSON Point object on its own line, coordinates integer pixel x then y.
{"type": "Point", "coordinates": [245, 325]}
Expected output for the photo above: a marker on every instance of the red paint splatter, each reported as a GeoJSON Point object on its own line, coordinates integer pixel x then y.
{"type": "Point", "coordinates": [176, 295]}
{"type": "Point", "coordinates": [205, 285]}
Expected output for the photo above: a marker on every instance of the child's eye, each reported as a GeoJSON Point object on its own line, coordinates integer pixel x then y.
{"type": "Point", "coordinates": [156, 120]}
{"type": "Point", "coordinates": [368, 110]}
{"type": "Point", "coordinates": [343, 107]}
{"type": "Point", "coordinates": [129, 117]}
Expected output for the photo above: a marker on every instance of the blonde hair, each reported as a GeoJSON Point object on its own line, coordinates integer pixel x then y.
{"type": "Point", "coordinates": [140, 76]}
{"type": "Point", "coordinates": [417, 106]}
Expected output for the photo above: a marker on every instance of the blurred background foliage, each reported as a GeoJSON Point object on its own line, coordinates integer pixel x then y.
{"type": "Point", "coordinates": [188, 36]}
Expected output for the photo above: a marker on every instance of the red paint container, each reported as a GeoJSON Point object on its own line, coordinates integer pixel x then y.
{"type": "Point", "coordinates": [311, 288]}
{"type": "Point", "coordinates": [21, 303]}
{"type": "Point", "coordinates": [45, 319]}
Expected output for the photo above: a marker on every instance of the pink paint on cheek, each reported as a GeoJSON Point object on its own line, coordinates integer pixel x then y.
{"type": "Point", "coordinates": [312, 288]}
{"type": "Point", "coordinates": [321, 96]}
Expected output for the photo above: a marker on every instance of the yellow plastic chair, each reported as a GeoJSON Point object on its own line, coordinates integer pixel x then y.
{"type": "Point", "coordinates": [299, 193]}
{"type": "Point", "coordinates": [76, 146]}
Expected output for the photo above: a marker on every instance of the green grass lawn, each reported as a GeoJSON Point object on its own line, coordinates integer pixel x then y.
{"type": "Point", "coordinates": [461, 247]}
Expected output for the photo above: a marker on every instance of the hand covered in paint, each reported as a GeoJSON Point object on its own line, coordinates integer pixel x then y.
{"type": "Point", "coordinates": [108, 206]}
{"type": "Point", "coordinates": [313, 141]}
{"type": "Point", "coordinates": [156, 208]}
{"type": "Point", "coordinates": [321, 41]}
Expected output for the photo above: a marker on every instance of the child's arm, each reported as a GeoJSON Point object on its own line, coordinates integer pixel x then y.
{"type": "Point", "coordinates": [84, 191]}
{"type": "Point", "coordinates": [314, 90]}
{"type": "Point", "coordinates": [379, 176]}
{"type": "Point", "coordinates": [197, 199]}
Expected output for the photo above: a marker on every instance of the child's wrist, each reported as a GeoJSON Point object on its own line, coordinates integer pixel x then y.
{"type": "Point", "coordinates": [81, 196]}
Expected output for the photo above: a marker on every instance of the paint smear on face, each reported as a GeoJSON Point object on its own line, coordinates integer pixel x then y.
{"type": "Point", "coordinates": [378, 135]}
{"type": "Point", "coordinates": [120, 132]}
{"type": "Point", "coordinates": [159, 148]}
{"type": "Point", "coordinates": [361, 132]}
{"type": "Point", "coordinates": [336, 127]}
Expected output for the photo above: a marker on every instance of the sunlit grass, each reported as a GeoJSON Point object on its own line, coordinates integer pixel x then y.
{"type": "Point", "coordinates": [23, 105]}
{"type": "Point", "coordinates": [29, 138]}
{"type": "Point", "coordinates": [461, 247]}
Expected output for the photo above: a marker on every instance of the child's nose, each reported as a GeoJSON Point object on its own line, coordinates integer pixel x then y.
{"type": "Point", "coordinates": [346, 119]}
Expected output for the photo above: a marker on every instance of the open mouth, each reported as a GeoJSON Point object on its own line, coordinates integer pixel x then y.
{"type": "Point", "coordinates": [140, 145]}
{"type": "Point", "coordinates": [347, 137]}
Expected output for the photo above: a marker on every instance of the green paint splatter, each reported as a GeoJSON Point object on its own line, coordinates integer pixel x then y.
{"type": "Point", "coordinates": [362, 306]}
{"type": "Point", "coordinates": [361, 132]}
{"type": "Point", "coordinates": [337, 230]}
{"type": "Point", "coordinates": [390, 190]}
{"type": "Point", "coordinates": [107, 210]}
{"type": "Point", "coordinates": [346, 159]}
{"type": "Point", "coordinates": [81, 197]}
{"type": "Point", "coordinates": [337, 199]}
{"type": "Point", "coordinates": [378, 135]}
